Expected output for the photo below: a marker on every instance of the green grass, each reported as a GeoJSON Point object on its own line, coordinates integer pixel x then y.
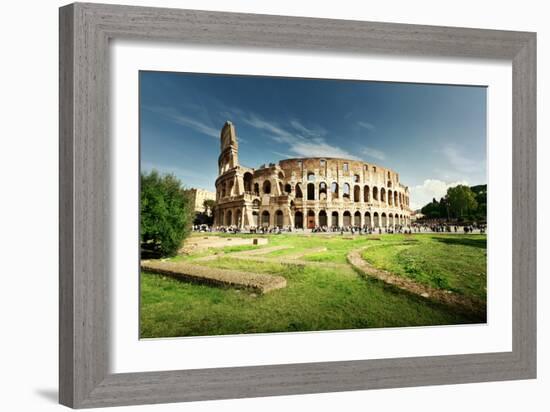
{"type": "Point", "coordinates": [450, 262]}
{"type": "Point", "coordinates": [317, 297]}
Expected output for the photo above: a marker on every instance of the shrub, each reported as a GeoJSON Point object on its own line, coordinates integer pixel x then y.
{"type": "Point", "coordinates": [166, 214]}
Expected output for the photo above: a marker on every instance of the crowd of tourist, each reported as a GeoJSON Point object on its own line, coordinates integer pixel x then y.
{"type": "Point", "coordinates": [413, 228]}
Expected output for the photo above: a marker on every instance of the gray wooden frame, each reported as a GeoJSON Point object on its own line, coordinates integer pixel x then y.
{"type": "Point", "coordinates": [85, 31]}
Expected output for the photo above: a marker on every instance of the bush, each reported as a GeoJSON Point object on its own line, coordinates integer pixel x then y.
{"type": "Point", "coordinates": [166, 214]}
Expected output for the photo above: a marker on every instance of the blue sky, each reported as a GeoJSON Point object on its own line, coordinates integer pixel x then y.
{"type": "Point", "coordinates": [434, 136]}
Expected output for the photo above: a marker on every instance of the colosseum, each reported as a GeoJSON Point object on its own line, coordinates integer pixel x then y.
{"type": "Point", "coordinates": [306, 193]}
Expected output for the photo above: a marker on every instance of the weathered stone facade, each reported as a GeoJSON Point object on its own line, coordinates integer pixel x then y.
{"type": "Point", "coordinates": [306, 192]}
{"type": "Point", "coordinates": [198, 196]}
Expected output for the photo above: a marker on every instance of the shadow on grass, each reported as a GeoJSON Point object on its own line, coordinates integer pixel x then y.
{"type": "Point", "coordinates": [459, 240]}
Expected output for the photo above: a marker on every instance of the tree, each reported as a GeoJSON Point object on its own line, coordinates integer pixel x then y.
{"type": "Point", "coordinates": [461, 200]}
{"type": "Point", "coordinates": [166, 214]}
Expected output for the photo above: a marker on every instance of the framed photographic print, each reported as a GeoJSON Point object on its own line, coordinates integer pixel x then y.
{"type": "Point", "coordinates": [257, 205]}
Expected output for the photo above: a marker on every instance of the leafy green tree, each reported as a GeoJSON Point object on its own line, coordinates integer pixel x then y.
{"type": "Point", "coordinates": [461, 200]}
{"type": "Point", "coordinates": [166, 214]}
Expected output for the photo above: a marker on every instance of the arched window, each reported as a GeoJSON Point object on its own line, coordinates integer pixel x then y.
{"type": "Point", "coordinates": [383, 195]}
{"type": "Point", "coordinates": [322, 191]}
{"type": "Point", "coordinates": [366, 194]}
{"type": "Point", "coordinates": [281, 175]}
{"type": "Point", "coordinates": [256, 189]}
{"type": "Point", "coordinates": [356, 178]}
{"type": "Point", "coordinates": [334, 190]}
{"type": "Point", "coordinates": [390, 197]}
{"type": "Point", "coordinates": [310, 191]}
{"type": "Point", "coordinates": [346, 194]}
{"type": "Point", "coordinates": [376, 220]}
{"type": "Point", "coordinates": [299, 193]}
{"type": "Point", "coordinates": [357, 219]}
{"type": "Point", "coordinates": [310, 176]}
{"type": "Point", "coordinates": [288, 188]}
{"type": "Point", "coordinates": [356, 194]}
{"type": "Point", "coordinates": [384, 220]}
{"type": "Point", "coordinates": [375, 193]}
{"type": "Point", "coordinates": [247, 179]}
{"type": "Point", "coordinates": [266, 187]}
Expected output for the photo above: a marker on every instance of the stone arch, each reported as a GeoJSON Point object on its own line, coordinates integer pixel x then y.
{"type": "Point", "coordinates": [229, 218]}
{"type": "Point", "coordinates": [383, 195]}
{"type": "Point", "coordinates": [346, 191]}
{"type": "Point", "coordinates": [390, 197]}
{"type": "Point", "coordinates": [265, 218]}
{"type": "Point", "coordinates": [357, 219]}
{"type": "Point", "coordinates": [366, 194]}
{"type": "Point", "coordinates": [346, 219]}
{"type": "Point", "coordinates": [384, 220]}
{"type": "Point", "coordinates": [356, 193]}
{"type": "Point", "coordinates": [247, 181]}
{"type": "Point", "coordinates": [323, 219]}
{"type": "Point", "coordinates": [310, 191]}
{"type": "Point", "coordinates": [279, 218]}
{"type": "Point", "coordinates": [288, 188]}
{"type": "Point", "coordinates": [390, 219]}
{"type": "Point", "coordinates": [310, 219]}
{"type": "Point", "coordinates": [299, 220]}
{"type": "Point", "coordinates": [257, 189]}
{"type": "Point", "coordinates": [266, 188]}
{"type": "Point", "coordinates": [255, 219]}
{"type": "Point", "coordinates": [322, 191]}
{"type": "Point", "coordinates": [368, 221]}
{"type": "Point", "coordinates": [334, 190]}
{"type": "Point", "coordinates": [375, 193]}
{"type": "Point", "coordinates": [376, 220]}
{"type": "Point", "coordinates": [281, 175]}
{"type": "Point", "coordinates": [395, 198]}
{"type": "Point", "coordinates": [310, 176]}
{"type": "Point", "coordinates": [334, 219]}
{"type": "Point", "coordinates": [299, 193]}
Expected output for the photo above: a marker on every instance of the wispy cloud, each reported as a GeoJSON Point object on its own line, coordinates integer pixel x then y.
{"type": "Point", "coordinates": [302, 141]}
{"type": "Point", "coordinates": [187, 121]}
{"type": "Point", "coordinates": [423, 194]}
{"type": "Point", "coordinates": [461, 162]}
{"type": "Point", "coordinates": [373, 153]}
{"type": "Point", "coordinates": [366, 125]}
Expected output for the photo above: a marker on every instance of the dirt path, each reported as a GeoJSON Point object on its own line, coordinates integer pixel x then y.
{"type": "Point", "coordinates": [261, 283]}
{"type": "Point", "coordinates": [444, 296]}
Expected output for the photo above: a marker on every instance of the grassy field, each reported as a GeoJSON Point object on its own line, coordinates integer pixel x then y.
{"type": "Point", "coordinates": [318, 296]}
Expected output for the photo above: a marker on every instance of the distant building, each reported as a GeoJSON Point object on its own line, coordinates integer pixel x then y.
{"type": "Point", "coordinates": [416, 215]}
{"type": "Point", "coordinates": [307, 192]}
{"type": "Point", "coordinates": [199, 196]}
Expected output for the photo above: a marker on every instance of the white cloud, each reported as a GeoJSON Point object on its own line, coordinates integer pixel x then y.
{"type": "Point", "coordinates": [366, 125]}
{"type": "Point", "coordinates": [373, 153]}
{"type": "Point", "coordinates": [423, 194]}
{"type": "Point", "coordinates": [303, 142]}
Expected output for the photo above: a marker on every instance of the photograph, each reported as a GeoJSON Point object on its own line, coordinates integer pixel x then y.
{"type": "Point", "coordinates": [271, 204]}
